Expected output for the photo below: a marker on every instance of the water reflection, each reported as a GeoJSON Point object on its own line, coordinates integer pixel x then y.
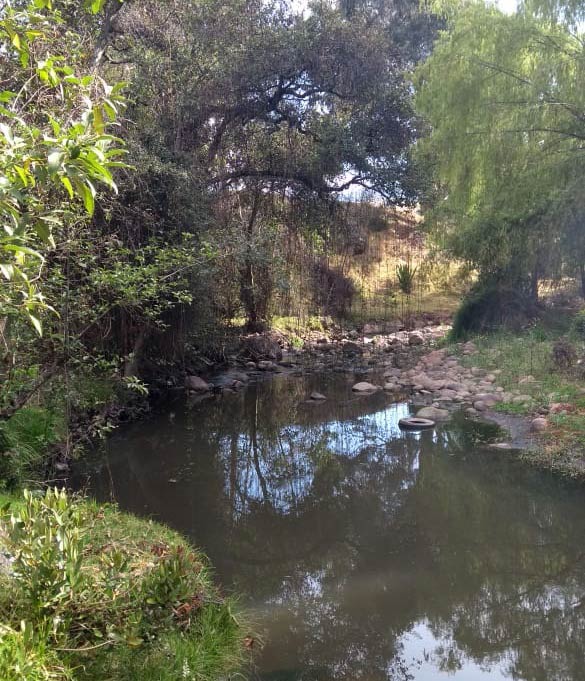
{"type": "Point", "coordinates": [367, 553]}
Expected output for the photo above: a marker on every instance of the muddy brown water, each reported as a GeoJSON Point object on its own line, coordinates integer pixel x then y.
{"type": "Point", "coordinates": [364, 552]}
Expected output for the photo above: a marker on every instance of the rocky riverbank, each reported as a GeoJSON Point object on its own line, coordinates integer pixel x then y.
{"type": "Point", "coordinates": [406, 363]}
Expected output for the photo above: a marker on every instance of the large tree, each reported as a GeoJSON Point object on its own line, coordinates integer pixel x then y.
{"type": "Point", "coordinates": [506, 114]}
{"type": "Point", "coordinates": [247, 101]}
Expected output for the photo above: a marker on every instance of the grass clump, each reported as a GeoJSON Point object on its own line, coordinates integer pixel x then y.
{"type": "Point", "coordinates": [24, 441]}
{"type": "Point", "coordinates": [91, 592]}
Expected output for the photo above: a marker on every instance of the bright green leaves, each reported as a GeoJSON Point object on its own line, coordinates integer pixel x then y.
{"type": "Point", "coordinates": [55, 147]}
{"type": "Point", "coordinates": [506, 110]}
{"type": "Point", "coordinates": [95, 6]}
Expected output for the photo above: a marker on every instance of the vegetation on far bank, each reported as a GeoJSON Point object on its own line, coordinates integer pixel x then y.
{"type": "Point", "coordinates": [88, 592]}
{"type": "Point", "coordinates": [546, 364]}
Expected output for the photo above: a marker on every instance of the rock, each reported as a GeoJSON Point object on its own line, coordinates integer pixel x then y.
{"type": "Point", "coordinates": [266, 365]}
{"type": "Point", "coordinates": [538, 425]}
{"type": "Point", "coordinates": [433, 413]}
{"type": "Point", "coordinates": [416, 338]}
{"type": "Point", "coordinates": [239, 376]}
{"type": "Point", "coordinates": [488, 398]}
{"type": "Point", "coordinates": [197, 384]}
{"type": "Point", "coordinates": [392, 387]}
{"type": "Point", "coordinates": [561, 408]}
{"type": "Point", "coordinates": [365, 387]}
{"type": "Point", "coordinates": [490, 378]}
{"type": "Point", "coordinates": [526, 379]}
{"type": "Point", "coordinates": [392, 372]}
{"type": "Point", "coordinates": [261, 346]}
{"type": "Point", "coordinates": [317, 397]}
{"type": "Point", "coordinates": [251, 365]}
{"type": "Point", "coordinates": [470, 411]}
{"type": "Point", "coordinates": [521, 399]}
{"type": "Point", "coordinates": [477, 371]}
{"type": "Point", "coordinates": [372, 330]}
{"type": "Point", "coordinates": [350, 348]}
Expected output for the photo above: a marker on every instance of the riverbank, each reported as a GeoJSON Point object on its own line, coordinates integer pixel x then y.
{"type": "Point", "coordinates": [542, 376]}
{"type": "Point", "coordinates": [90, 593]}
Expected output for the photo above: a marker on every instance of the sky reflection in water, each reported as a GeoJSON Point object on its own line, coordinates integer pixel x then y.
{"type": "Point", "coordinates": [365, 552]}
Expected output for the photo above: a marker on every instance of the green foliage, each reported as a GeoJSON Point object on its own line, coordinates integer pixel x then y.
{"type": "Point", "coordinates": [24, 441]}
{"type": "Point", "coordinates": [108, 592]}
{"type": "Point", "coordinates": [24, 658]}
{"type": "Point", "coordinates": [54, 146]}
{"type": "Point", "coordinates": [501, 95]}
{"type": "Point", "coordinates": [488, 308]}
{"type": "Point", "coordinates": [405, 273]}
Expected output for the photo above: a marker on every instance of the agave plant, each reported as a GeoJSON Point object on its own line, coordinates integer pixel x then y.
{"type": "Point", "coordinates": [405, 274]}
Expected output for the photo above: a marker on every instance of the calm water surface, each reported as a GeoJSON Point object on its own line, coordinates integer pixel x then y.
{"type": "Point", "coordinates": [366, 553]}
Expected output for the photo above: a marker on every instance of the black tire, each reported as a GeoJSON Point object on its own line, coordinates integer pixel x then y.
{"type": "Point", "coordinates": [414, 423]}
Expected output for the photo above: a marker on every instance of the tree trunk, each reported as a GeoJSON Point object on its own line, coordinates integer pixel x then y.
{"type": "Point", "coordinates": [534, 280]}
{"type": "Point", "coordinates": [248, 293]}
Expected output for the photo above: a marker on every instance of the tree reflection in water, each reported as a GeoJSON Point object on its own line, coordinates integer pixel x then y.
{"type": "Point", "coordinates": [367, 553]}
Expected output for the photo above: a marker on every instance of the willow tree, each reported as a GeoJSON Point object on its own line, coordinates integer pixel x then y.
{"type": "Point", "coordinates": [506, 114]}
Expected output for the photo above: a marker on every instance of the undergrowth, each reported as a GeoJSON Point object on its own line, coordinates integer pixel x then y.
{"type": "Point", "coordinates": [96, 594]}
{"type": "Point", "coordinates": [525, 365]}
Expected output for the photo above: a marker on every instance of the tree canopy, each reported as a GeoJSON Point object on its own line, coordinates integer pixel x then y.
{"type": "Point", "coordinates": [505, 109]}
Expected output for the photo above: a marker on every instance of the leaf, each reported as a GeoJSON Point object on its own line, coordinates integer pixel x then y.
{"type": "Point", "coordinates": [36, 322]}
{"type": "Point", "coordinates": [7, 270]}
{"type": "Point", "coordinates": [98, 120]}
{"type": "Point", "coordinates": [88, 200]}
{"type": "Point", "coordinates": [68, 186]}
{"type": "Point", "coordinates": [54, 160]}
{"type": "Point", "coordinates": [44, 232]}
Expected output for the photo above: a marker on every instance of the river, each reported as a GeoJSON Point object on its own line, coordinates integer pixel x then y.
{"type": "Point", "coordinates": [364, 552]}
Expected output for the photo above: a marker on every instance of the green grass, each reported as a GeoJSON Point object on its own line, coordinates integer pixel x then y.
{"type": "Point", "coordinates": [562, 445]}
{"type": "Point", "coordinates": [105, 595]}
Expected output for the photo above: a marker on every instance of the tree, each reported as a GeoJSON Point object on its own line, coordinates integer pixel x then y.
{"type": "Point", "coordinates": [505, 115]}
{"type": "Point", "coordinates": [247, 99]}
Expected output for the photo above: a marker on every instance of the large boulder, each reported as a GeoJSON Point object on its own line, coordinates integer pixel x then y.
{"type": "Point", "coordinates": [197, 385]}
{"type": "Point", "coordinates": [539, 424]}
{"type": "Point", "coordinates": [432, 413]}
{"type": "Point", "coordinates": [266, 365]}
{"type": "Point", "coordinates": [261, 346]}
{"type": "Point", "coordinates": [365, 387]}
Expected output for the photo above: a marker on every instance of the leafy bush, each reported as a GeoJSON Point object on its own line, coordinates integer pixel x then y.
{"type": "Point", "coordinates": [101, 587]}
{"type": "Point", "coordinates": [491, 307]}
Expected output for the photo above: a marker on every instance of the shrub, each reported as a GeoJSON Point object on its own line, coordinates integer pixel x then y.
{"type": "Point", "coordinates": [406, 274]}
{"type": "Point", "coordinates": [24, 440]}
{"type": "Point", "coordinates": [564, 354]}
{"type": "Point", "coordinates": [102, 587]}
{"type": "Point", "coordinates": [492, 307]}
